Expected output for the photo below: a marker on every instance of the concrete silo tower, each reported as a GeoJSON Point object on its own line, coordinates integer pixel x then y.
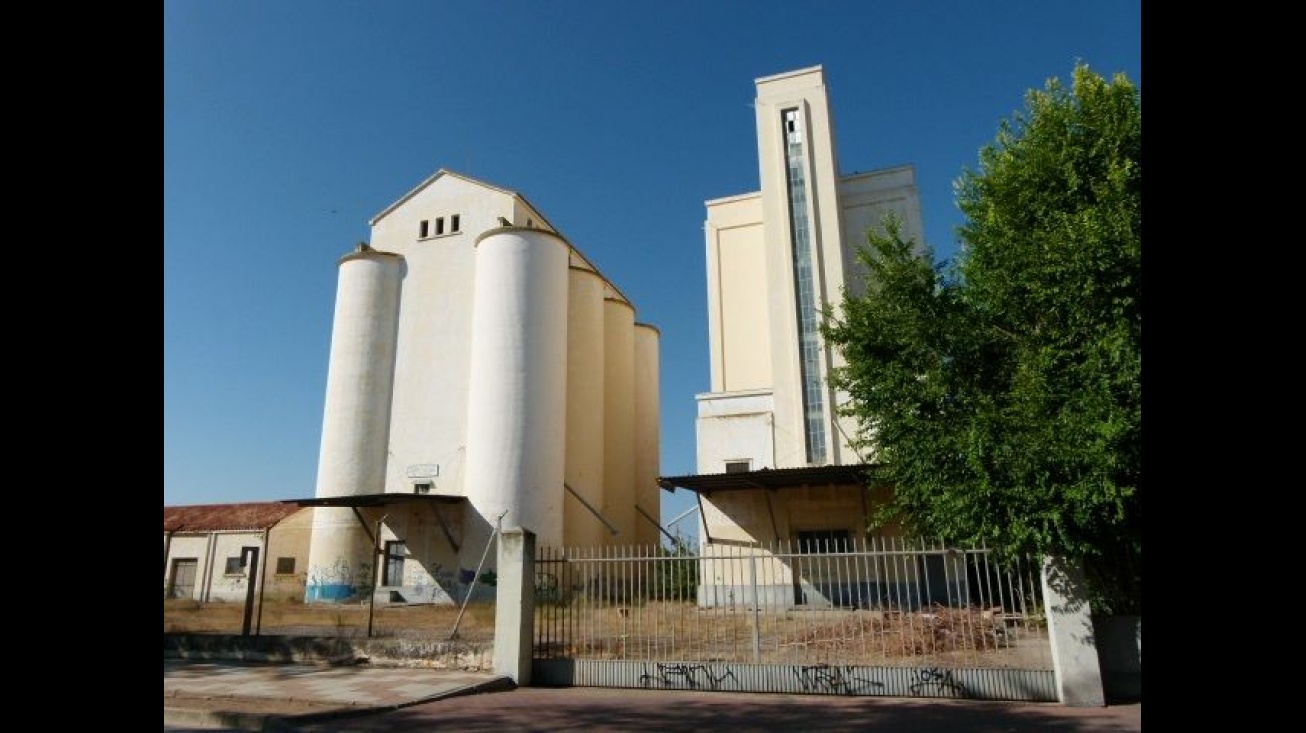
{"type": "Point", "coordinates": [517, 392]}
{"type": "Point", "coordinates": [356, 419]}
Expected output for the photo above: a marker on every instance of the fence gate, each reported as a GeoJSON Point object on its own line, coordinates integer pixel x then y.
{"type": "Point", "coordinates": [835, 617]}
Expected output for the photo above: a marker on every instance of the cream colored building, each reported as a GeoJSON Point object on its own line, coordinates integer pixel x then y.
{"type": "Point", "coordinates": [774, 460]}
{"type": "Point", "coordinates": [483, 373]}
{"type": "Point", "coordinates": [206, 553]}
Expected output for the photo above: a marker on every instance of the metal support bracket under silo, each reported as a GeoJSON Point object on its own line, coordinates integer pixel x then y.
{"type": "Point", "coordinates": [363, 522]}
{"type": "Point", "coordinates": [593, 511]}
{"type": "Point", "coordinates": [655, 523]}
{"type": "Point", "coordinates": [444, 527]}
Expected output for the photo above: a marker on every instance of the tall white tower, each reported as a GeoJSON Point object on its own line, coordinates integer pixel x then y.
{"type": "Point", "coordinates": [356, 419]}
{"type": "Point", "coordinates": [776, 258]}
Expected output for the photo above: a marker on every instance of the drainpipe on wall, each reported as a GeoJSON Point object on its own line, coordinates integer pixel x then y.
{"type": "Point", "coordinates": [167, 549]}
{"type": "Point", "coordinates": [206, 590]}
{"type": "Point", "coordinates": [262, 581]}
{"type": "Point", "coordinates": [376, 570]}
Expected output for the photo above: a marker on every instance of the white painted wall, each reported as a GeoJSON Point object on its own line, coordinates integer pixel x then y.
{"type": "Point", "coordinates": [186, 546]}
{"type": "Point", "coordinates": [733, 427]}
{"type": "Point", "coordinates": [211, 550]}
{"type": "Point", "coordinates": [429, 426]}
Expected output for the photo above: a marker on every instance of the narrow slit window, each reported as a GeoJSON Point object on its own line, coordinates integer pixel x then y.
{"type": "Point", "coordinates": [828, 540]}
{"type": "Point", "coordinates": [424, 230]}
{"type": "Point", "coordinates": [439, 226]}
{"type": "Point", "coordinates": [453, 223]}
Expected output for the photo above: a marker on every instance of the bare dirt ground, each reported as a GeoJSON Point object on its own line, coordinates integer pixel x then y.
{"type": "Point", "coordinates": [185, 616]}
{"type": "Point", "coordinates": [666, 630]}
{"type": "Point", "coordinates": [248, 705]}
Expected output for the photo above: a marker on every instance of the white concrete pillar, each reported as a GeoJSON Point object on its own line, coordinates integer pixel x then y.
{"type": "Point", "coordinates": [514, 605]}
{"type": "Point", "coordinates": [1070, 629]}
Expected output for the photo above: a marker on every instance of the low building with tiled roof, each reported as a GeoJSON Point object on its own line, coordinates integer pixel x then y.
{"type": "Point", "coordinates": [207, 548]}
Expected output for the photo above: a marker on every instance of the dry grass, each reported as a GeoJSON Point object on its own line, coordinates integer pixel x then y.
{"type": "Point", "coordinates": [669, 630]}
{"type": "Point", "coordinates": [291, 618]}
{"type": "Point", "coordinates": [683, 631]}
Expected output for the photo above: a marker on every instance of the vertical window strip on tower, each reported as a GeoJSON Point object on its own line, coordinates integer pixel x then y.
{"type": "Point", "coordinates": [809, 350]}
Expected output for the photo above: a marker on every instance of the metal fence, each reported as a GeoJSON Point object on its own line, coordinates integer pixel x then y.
{"type": "Point", "coordinates": [876, 616]}
{"type": "Point", "coordinates": [354, 620]}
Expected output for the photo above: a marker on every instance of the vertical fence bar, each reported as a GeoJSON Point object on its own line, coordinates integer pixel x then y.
{"type": "Point", "coordinates": [757, 608]}
{"type": "Point", "coordinates": [541, 610]}
{"type": "Point", "coordinates": [623, 599]}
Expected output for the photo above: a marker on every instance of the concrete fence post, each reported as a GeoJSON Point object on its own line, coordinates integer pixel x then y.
{"type": "Point", "coordinates": [514, 605]}
{"type": "Point", "coordinates": [1070, 629]}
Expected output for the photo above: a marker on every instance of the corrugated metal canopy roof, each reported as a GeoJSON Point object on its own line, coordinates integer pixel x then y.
{"type": "Point", "coordinates": [770, 478]}
{"type": "Point", "coordinates": [375, 499]}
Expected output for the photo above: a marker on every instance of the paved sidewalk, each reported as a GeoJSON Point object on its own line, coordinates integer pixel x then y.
{"type": "Point", "coordinates": [367, 699]}
{"type": "Point", "coordinates": [246, 696]}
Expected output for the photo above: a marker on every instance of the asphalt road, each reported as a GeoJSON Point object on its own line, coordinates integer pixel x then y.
{"type": "Point", "coordinates": [645, 711]}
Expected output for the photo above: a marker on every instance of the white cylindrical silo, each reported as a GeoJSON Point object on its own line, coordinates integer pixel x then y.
{"type": "Point", "coordinates": [619, 419]}
{"type": "Point", "coordinates": [516, 394]}
{"type": "Point", "coordinates": [356, 419]}
{"type": "Point", "coordinates": [584, 472]}
{"type": "Point", "coordinates": [647, 439]}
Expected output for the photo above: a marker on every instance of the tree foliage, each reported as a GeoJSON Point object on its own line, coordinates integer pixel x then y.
{"type": "Point", "coordinates": [1001, 395]}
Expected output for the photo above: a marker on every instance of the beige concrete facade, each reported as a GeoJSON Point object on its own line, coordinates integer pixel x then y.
{"type": "Point", "coordinates": [754, 305]}
{"type": "Point", "coordinates": [775, 260]}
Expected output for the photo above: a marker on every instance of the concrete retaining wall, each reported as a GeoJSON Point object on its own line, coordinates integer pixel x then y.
{"type": "Point", "coordinates": [331, 650]}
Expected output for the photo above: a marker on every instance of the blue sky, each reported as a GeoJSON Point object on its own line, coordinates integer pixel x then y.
{"type": "Point", "coordinates": [289, 124]}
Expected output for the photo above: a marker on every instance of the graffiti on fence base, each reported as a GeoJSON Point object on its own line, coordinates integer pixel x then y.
{"type": "Point", "coordinates": [685, 675]}
{"type": "Point", "coordinates": [828, 678]}
{"type": "Point", "coordinates": [937, 681]}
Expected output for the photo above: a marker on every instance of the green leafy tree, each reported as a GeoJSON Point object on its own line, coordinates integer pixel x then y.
{"type": "Point", "coordinates": [1001, 394]}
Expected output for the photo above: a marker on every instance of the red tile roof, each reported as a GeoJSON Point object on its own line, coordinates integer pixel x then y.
{"type": "Point", "coordinates": [208, 517]}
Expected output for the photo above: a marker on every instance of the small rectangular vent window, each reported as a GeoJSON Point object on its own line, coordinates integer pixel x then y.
{"type": "Point", "coordinates": [738, 466]}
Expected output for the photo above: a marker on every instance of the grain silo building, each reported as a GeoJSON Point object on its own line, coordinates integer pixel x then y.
{"type": "Point", "coordinates": [483, 373]}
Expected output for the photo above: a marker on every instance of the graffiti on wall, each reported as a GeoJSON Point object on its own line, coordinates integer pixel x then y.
{"type": "Point", "coordinates": [686, 676]}
{"type": "Point", "coordinates": [937, 681]}
{"type": "Point", "coordinates": [341, 572]}
{"type": "Point", "coordinates": [831, 678]}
